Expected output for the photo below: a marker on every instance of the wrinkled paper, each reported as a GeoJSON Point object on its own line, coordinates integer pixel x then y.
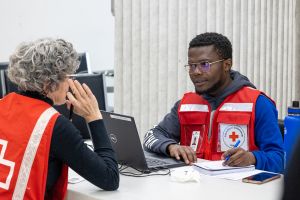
{"type": "Point", "coordinates": [185, 175]}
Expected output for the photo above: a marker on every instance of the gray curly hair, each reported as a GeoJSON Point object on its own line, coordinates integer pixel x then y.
{"type": "Point", "coordinates": [41, 65]}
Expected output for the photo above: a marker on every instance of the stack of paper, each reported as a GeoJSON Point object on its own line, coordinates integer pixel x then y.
{"type": "Point", "coordinates": [216, 167]}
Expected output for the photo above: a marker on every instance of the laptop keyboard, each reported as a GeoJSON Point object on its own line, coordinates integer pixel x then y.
{"type": "Point", "coordinates": [152, 162]}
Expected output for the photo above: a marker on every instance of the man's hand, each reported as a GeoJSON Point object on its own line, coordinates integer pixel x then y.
{"type": "Point", "coordinates": [239, 157]}
{"type": "Point", "coordinates": [185, 152]}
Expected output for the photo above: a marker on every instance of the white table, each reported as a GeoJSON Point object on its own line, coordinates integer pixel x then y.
{"type": "Point", "coordinates": [162, 187]}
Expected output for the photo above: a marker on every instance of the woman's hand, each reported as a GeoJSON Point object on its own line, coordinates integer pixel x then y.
{"type": "Point", "coordinates": [84, 102]}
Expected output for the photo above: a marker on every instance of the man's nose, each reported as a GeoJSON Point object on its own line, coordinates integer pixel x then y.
{"type": "Point", "coordinates": [198, 70]}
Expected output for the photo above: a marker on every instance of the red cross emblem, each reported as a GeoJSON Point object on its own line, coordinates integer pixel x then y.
{"type": "Point", "coordinates": [6, 166]}
{"type": "Point", "coordinates": [233, 136]}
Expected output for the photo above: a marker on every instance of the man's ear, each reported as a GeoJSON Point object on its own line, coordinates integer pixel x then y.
{"type": "Point", "coordinates": [227, 64]}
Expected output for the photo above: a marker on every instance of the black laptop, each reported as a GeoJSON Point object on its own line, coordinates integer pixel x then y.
{"type": "Point", "coordinates": [126, 142]}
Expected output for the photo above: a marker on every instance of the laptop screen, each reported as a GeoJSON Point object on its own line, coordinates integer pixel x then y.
{"type": "Point", "coordinates": [125, 139]}
{"type": "Point", "coordinates": [126, 142]}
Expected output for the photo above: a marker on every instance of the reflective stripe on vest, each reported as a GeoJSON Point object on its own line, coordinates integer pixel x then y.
{"type": "Point", "coordinates": [193, 107]}
{"type": "Point", "coordinates": [30, 152]}
{"type": "Point", "coordinates": [237, 107]}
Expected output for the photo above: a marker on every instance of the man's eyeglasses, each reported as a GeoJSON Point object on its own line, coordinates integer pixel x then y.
{"type": "Point", "coordinates": [202, 66]}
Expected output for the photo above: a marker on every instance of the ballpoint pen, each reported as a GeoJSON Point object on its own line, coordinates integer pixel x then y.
{"type": "Point", "coordinates": [71, 112]}
{"type": "Point", "coordinates": [235, 146]}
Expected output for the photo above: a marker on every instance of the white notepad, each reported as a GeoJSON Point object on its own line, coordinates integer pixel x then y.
{"type": "Point", "coordinates": [216, 167]}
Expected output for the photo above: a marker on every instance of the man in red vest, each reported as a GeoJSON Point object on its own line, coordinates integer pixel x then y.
{"type": "Point", "coordinates": [225, 111]}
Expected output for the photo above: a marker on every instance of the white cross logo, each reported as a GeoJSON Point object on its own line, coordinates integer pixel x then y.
{"type": "Point", "coordinates": [8, 163]}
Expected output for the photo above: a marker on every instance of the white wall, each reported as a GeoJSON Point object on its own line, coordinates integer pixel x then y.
{"type": "Point", "coordinates": [88, 24]}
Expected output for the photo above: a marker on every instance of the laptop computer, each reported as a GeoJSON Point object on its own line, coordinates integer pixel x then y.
{"type": "Point", "coordinates": [127, 145]}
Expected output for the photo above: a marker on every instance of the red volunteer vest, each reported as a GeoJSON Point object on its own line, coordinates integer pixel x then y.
{"type": "Point", "coordinates": [233, 120]}
{"type": "Point", "coordinates": [18, 122]}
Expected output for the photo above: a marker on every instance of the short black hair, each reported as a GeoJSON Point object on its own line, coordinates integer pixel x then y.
{"type": "Point", "coordinates": [220, 42]}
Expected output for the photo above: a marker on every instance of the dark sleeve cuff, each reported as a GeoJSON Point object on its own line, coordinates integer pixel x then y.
{"type": "Point", "coordinates": [99, 135]}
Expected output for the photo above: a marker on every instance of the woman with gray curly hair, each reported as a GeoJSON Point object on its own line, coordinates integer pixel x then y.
{"type": "Point", "coordinates": [39, 144]}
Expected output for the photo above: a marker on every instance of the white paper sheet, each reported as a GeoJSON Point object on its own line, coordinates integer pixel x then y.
{"type": "Point", "coordinates": [239, 175]}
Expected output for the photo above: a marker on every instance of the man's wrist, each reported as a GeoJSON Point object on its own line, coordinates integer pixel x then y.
{"type": "Point", "coordinates": [252, 158]}
{"type": "Point", "coordinates": [168, 148]}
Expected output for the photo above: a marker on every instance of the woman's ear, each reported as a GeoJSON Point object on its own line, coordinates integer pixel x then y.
{"type": "Point", "coordinates": [46, 88]}
{"type": "Point", "coordinates": [227, 64]}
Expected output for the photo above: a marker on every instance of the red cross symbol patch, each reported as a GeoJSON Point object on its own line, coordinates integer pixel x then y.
{"type": "Point", "coordinates": [233, 136]}
{"type": "Point", "coordinates": [6, 166]}
{"type": "Point", "coordinates": [230, 133]}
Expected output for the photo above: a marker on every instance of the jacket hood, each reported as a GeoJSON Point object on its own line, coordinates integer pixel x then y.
{"type": "Point", "coordinates": [238, 81]}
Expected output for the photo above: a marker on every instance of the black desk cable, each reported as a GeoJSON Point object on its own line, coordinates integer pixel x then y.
{"type": "Point", "coordinates": [140, 173]}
